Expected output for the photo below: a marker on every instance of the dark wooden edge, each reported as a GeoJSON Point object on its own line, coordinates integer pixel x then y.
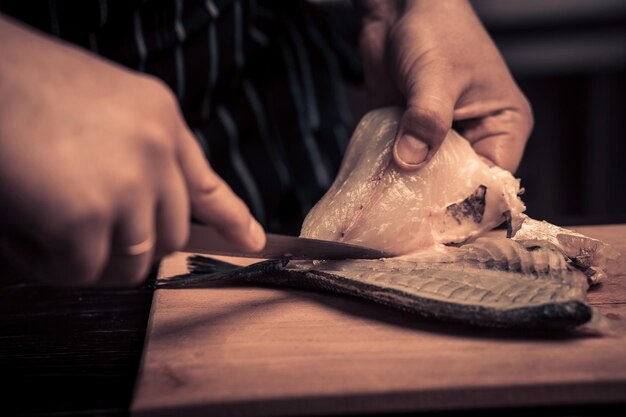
{"type": "Point", "coordinates": [525, 397]}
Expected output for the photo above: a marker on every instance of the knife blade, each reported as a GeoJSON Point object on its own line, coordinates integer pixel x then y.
{"type": "Point", "coordinates": [206, 240]}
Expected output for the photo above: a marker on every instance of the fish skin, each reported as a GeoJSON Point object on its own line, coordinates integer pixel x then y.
{"type": "Point", "coordinates": [496, 290]}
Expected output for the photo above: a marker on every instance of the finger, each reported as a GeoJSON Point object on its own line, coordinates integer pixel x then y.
{"type": "Point", "coordinates": [173, 213]}
{"type": "Point", "coordinates": [132, 245]}
{"type": "Point", "coordinates": [76, 260]}
{"type": "Point", "coordinates": [213, 202]}
{"type": "Point", "coordinates": [426, 120]}
{"type": "Point", "coordinates": [500, 137]}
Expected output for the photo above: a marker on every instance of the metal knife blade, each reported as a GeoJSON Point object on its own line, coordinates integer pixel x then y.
{"type": "Point", "coordinates": [205, 239]}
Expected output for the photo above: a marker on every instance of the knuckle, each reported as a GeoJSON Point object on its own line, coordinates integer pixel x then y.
{"type": "Point", "coordinates": [527, 111]}
{"type": "Point", "coordinates": [205, 189]}
{"type": "Point", "coordinates": [521, 119]}
{"type": "Point", "coordinates": [89, 212]}
{"type": "Point", "coordinates": [161, 94]}
{"type": "Point", "coordinates": [426, 123]}
{"type": "Point", "coordinates": [130, 185]}
{"type": "Point", "coordinates": [157, 140]}
{"type": "Point", "coordinates": [161, 119]}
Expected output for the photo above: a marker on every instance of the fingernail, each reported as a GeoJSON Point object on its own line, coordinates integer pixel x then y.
{"type": "Point", "coordinates": [410, 150]}
{"type": "Point", "coordinates": [256, 235]}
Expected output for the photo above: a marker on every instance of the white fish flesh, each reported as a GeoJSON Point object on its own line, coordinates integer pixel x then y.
{"type": "Point", "coordinates": [596, 258]}
{"type": "Point", "coordinates": [373, 203]}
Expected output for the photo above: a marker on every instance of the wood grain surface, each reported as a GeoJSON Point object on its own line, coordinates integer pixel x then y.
{"type": "Point", "coordinates": [254, 351]}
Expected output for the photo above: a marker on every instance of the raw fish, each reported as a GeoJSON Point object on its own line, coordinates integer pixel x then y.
{"type": "Point", "coordinates": [488, 283]}
{"type": "Point", "coordinates": [536, 278]}
{"type": "Point", "coordinates": [373, 203]}
{"type": "Point", "coordinates": [594, 257]}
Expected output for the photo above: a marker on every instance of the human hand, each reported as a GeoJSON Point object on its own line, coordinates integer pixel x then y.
{"type": "Point", "coordinates": [435, 58]}
{"type": "Point", "coordinates": [98, 170]}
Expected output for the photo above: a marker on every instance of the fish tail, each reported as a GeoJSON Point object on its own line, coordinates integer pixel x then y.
{"type": "Point", "coordinates": [204, 270]}
{"type": "Point", "coordinates": [203, 265]}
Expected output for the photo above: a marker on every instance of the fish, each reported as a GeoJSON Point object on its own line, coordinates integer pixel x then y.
{"type": "Point", "coordinates": [372, 202]}
{"type": "Point", "coordinates": [491, 282]}
{"type": "Point", "coordinates": [594, 257]}
{"type": "Point", "coordinates": [433, 221]}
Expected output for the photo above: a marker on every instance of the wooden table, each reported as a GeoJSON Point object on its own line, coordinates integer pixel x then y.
{"type": "Point", "coordinates": [253, 351]}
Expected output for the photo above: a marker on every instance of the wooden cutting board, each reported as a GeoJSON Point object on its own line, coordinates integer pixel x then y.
{"type": "Point", "coordinates": [255, 351]}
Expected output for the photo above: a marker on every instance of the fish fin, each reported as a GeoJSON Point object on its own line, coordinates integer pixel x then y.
{"type": "Point", "coordinates": [198, 264]}
{"type": "Point", "coordinates": [201, 270]}
{"type": "Point", "coordinates": [204, 270]}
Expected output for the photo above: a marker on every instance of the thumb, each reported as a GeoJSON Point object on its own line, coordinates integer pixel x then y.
{"type": "Point", "coordinates": [425, 122]}
{"type": "Point", "coordinates": [213, 202]}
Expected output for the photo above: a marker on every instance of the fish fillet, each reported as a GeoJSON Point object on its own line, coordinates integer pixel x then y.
{"type": "Point", "coordinates": [373, 203]}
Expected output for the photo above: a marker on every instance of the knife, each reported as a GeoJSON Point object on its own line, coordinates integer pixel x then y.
{"type": "Point", "coordinates": [206, 240]}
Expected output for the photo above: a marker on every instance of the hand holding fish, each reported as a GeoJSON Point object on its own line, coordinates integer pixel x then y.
{"type": "Point", "coordinates": [98, 170]}
{"type": "Point", "coordinates": [436, 59]}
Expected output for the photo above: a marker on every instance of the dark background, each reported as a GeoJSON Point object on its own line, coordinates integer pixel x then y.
{"type": "Point", "coordinates": [569, 58]}
{"type": "Point", "coordinates": [76, 352]}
